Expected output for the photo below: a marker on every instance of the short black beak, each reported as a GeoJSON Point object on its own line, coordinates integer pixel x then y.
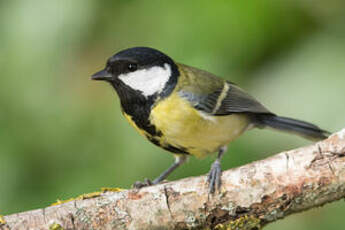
{"type": "Point", "coordinates": [102, 75]}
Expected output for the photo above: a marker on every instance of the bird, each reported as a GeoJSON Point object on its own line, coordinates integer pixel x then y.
{"type": "Point", "coordinates": [188, 111]}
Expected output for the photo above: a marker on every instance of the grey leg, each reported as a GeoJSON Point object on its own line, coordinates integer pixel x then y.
{"type": "Point", "coordinates": [179, 160]}
{"type": "Point", "coordinates": [214, 176]}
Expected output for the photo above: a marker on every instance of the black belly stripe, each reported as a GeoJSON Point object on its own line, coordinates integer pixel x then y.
{"type": "Point", "coordinates": [168, 147]}
{"type": "Point", "coordinates": [173, 149]}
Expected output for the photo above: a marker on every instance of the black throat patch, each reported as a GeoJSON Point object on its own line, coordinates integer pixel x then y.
{"type": "Point", "coordinates": [136, 105]}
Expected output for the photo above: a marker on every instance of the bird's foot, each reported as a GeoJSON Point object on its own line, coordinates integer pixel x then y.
{"type": "Point", "coordinates": [214, 177]}
{"type": "Point", "coordinates": [139, 184]}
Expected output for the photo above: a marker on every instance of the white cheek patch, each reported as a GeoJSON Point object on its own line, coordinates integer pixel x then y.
{"type": "Point", "coordinates": [148, 81]}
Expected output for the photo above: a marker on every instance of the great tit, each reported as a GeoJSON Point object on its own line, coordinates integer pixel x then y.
{"type": "Point", "coordinates": [188, 111]}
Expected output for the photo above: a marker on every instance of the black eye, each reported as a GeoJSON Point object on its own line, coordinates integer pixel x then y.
{"type": "Point", "coordinates": [132, 67]}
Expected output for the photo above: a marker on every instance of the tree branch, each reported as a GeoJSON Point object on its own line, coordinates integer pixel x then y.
{"type": "Point", "coordinates": [251, 196]}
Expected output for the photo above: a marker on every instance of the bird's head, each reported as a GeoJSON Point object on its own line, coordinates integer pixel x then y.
{"type": "Point", "coordinates": [140, 70]}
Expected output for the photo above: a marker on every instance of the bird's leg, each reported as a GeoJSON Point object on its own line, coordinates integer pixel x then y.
{"type": "Point", "coordinates": [215, 174]}
{"type": "Point", "coordinates": [179, 160]}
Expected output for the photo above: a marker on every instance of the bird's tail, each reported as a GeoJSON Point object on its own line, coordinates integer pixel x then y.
{"type": "Point", "coordinates": [302, 128]}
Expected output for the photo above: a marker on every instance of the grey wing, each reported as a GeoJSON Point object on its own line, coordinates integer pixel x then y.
{"type": "Point", "coordinates": [224, 101]}
{"type": "Point", "coordinates": [201, 102]}
{"type": "Point", "coordinates": [238, 101]}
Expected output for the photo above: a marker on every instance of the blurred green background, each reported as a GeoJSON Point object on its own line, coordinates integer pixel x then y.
{"type": "Point", "coordinates": [62, 135]}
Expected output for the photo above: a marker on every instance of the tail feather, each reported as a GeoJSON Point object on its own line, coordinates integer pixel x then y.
{"type": "Point", "coordinates": [302, 128]}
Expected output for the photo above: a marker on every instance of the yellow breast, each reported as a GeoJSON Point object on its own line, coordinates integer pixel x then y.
{"type": "Point", "coordinates": [199, 133]}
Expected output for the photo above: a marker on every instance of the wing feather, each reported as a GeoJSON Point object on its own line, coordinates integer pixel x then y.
{"type": "Point", "coordinates": [238, 101]}
{"type": "Point", "coordinates": [209, 94]}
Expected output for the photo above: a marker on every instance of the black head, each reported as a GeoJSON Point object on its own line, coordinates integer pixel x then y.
{"type": "Point", "coordinates": [142, 69]}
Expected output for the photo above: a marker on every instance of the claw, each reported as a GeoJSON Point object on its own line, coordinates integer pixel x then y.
{"type": "Point", "coordinates": [139, 184]}
{"type": "Point", "coordinates": [214, 177]}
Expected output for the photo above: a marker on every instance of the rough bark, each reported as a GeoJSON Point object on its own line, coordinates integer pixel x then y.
{"type": "Point", "coordinates": [251, 196]}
